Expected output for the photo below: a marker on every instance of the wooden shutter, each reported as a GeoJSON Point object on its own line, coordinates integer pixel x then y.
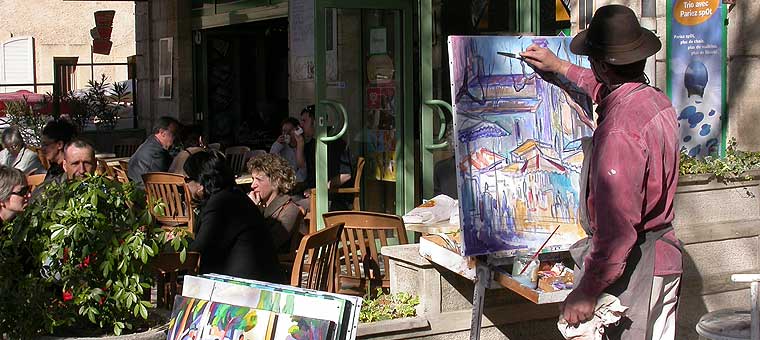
{"type": "Point", "coordinates": [17, 63]}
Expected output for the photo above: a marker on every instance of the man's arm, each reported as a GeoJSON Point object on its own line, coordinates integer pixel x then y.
{"type": "Point", "coordinates": [547, 64]}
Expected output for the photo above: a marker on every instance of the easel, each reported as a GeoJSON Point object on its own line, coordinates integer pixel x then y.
{"type": "Point", "coordinates": [488, 273]}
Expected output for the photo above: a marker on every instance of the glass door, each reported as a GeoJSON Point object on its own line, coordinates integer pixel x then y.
{"type": "Point", "coordinates": [363, 72]}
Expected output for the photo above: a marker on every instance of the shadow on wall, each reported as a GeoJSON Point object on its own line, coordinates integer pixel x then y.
{"type": "Point", "coordinates": [692, 305]}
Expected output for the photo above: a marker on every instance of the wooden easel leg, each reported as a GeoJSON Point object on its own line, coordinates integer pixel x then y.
{"type": "Point", "coordinates": [483, 278]}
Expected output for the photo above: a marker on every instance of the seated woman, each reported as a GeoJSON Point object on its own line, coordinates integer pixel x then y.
{"type": "Point", "coordinates": [15, 153]}
{"type": "Point", "coordinates": [230, 232]}
{"type": "Point", "coordinates": [14, 193]}
{"type": "Point", "coordinates": [273, 178]}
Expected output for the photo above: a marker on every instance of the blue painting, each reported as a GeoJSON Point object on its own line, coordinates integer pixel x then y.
{"type": "Point", "coordinates": [518, 145]}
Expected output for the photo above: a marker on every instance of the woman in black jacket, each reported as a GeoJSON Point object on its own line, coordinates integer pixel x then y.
{"type": "Point", "coordinates": [230, 232]}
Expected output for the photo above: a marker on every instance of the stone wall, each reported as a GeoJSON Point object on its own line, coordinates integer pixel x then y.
{"type": "Point", "coordinates": [62, 29]}
{"type": "Point", "coordinates": [156, 20]}
{"type": "Point", "coordinates": [743, 64]}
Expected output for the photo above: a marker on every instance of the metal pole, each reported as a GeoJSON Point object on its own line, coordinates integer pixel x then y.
{"type": "Point", "coordinates": [482, 279]}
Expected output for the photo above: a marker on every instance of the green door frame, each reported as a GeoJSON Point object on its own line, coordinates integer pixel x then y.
{"type": "Point", "coordinates": [405, 148]}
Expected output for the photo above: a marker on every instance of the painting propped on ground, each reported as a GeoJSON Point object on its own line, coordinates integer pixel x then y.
{"type": "Point", "coordinates": [518, 145]}
{"type": "Point", "coordinates": [201, 319]}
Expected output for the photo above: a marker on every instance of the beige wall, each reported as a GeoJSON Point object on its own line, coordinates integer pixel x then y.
{"type": "Point", "coordinates": [62, 29]}
{"type": "Point", "coordinates": [743, 65]}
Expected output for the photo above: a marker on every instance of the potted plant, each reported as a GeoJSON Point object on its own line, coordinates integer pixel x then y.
{"type": "Point", "coordinates": [77, 261]}
{"type": "Point", "coordinates": [28, 118]}
{"type": "Point", "coordinates": [104, 102]}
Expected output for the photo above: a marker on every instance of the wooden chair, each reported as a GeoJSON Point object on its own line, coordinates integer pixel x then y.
{"type": "Point", "coordinates": [735, 323]}
{"type": "Point", "coordinates": [215, 146]}
{"type": "Point", "coordinates": [236, 158]}
{"type": "Point", "coordinates": [360, 267]}
{"type": "Point", "coordinates": [126, 147]}
{"type": "Point", "coordinates": [33, 181]}
{"type": "Point", "coordinates": [41, 155]}
{"type": "Point", "coordinates": [124, 165]}
{"type": "Point", "coordinates": [104, 169]}
{"type": "Point", "coordinates": [119, 174]}
{"type": "Point", "coordinates": [167, 268]}
{"type": "Point", "coordinates": [172, 191]}
{"type": "Point", "coordinates": [320, 248]}
{"type": "Point", "coordinates": [356, 190]}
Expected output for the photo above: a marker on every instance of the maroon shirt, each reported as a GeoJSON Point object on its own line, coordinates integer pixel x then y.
{"type": "Point", "coordinates": [633, 175]}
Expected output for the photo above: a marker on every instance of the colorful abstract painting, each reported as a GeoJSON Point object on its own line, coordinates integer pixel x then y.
{"type": "Point", "coordinates": [200, 319]}
{"type": "Point", "coordinates": [301, 302]}
{"type": "Point", "coordinates": [518, 145]}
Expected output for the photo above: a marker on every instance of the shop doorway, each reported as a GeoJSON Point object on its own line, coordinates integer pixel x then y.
{"type": "Point", "coordinates": [242, 82]}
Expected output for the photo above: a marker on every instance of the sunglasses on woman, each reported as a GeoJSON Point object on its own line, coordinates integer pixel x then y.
{"type": "Point", "coordinates": [23, 192]}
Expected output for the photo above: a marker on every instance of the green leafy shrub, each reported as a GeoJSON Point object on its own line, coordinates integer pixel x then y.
{"type": "Point", "coordinates": [28, 118]}
{"type": "Point", "coordinates": [733, 166]}
{"type": "Point", "coordinates": [78, 258]}
{"type": "Point", "coordinates": [388, 306]}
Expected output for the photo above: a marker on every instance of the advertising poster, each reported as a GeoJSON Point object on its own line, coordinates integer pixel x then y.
{"type": "Point", "coordinates": [696, 74]}
{"type": "Point", "coordinates": [518, 146]}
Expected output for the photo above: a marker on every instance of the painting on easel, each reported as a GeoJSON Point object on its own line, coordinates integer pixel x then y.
{"type": "Point", "coordinates": [518, 145]}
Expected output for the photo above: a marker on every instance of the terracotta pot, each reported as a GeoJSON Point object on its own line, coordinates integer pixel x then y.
{"type": "Point", "coordinates": [104, 32]}
{"type": "Point", "coordinates": [101, 46]}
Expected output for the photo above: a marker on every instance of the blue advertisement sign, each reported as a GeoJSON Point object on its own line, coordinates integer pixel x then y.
{"type": "Point", "coordinates": [696, 74]}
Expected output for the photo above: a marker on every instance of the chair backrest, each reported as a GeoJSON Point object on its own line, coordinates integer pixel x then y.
{"type": "Point", "coordinates": [126, 147]}
{"type": "Point", "coordinates": [321, 248]}
{"type": "Point", "coordinates": [124, 165]}
{"type": "Point", "coordinates": [172, 191]}
{"type": "Point", "coordinates": [41, 156]}
{"type": "Point", "coordinates": [119, 174]}
{"type": "Point", "coordinates": [167, 267]}
{"type": "Point", "coordinates": [104, 169]}
{"type": "Point", "coordinates": [236, 158]}
{"type": "Point", "coordinates": [33, 181]}
{"type": "Point", "coordinates": [360, 265]}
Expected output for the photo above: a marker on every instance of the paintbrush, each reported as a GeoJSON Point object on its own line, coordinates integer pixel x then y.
{"type": "Point", "coordinates": [510, 55]}
{"type": "Point", "coordinates": [538, 251]}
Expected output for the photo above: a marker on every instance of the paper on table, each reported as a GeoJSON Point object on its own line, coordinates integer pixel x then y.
{"type": "Point", "coordinates": [434, 210]}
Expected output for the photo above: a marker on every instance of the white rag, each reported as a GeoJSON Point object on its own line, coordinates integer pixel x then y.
{"type": "Point", "coordinates": [608, 311]}
{"type": "Point", "coordinates": [436, 209]}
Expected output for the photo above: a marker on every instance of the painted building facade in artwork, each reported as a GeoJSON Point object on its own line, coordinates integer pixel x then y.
{"type": "Point", "coordinates": [518, 145]}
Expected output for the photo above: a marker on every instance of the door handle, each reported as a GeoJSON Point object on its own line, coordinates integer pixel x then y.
{"type": "Point", "coordinates": [439, 105]}
{"type": "Point", "coordinates": [338, 107]}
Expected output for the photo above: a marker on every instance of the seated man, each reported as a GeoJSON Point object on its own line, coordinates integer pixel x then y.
{"type": "Point", "coordinates": [55, 135]}
{"type": "Point", "coordinates": [78, 161]}
{"type": "Point", "coordinates": [338, 163]}
{"type": "Point", "coordinates": [287, 146]}
{"type": "Point", "coordinates": [153, 155]}
{"type": "Point", "coordinates": [16, 155]}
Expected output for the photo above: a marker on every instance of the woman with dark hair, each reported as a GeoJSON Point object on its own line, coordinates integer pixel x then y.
{"type": "Point", "coordinates": [230, 232]}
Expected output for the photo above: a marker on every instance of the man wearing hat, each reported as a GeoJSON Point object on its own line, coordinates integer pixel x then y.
{"type": "Point", "coordinates": [632, 251]}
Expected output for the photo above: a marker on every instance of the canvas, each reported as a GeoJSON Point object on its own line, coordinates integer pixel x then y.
{"type": "Point", "coordinates": [518, 145]}
{"type": "Point", "coordinates": [349, 305]}
{"type": "Point", "coordinates": [200, 319]}
{"type": "Point", "coordinates": [263, 299]}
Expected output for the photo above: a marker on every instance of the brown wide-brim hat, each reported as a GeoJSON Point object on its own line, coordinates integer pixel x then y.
{"type": "Point", "coordinates": [615, 36]}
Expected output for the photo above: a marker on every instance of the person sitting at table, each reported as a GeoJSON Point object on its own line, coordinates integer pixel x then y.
{"type": "Point", "coordinates": [78, 162]}
{"type": "Point", "coordinates": [153, 154]}
{"type": "Point", "coordinates": [230, 232]}
{"type": "Point", "coordinates": [289, 145]}
{"type": "Point", "coordinates": [55, 135]}
{"type": "Point", "coordinates": [192, 142]}
{"type": "Point", "coordinates": [272, 178]}
{"type": "Point", "coordinates": [14, 193]}
{"type": "Point", "coordinates": [15, 154]}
